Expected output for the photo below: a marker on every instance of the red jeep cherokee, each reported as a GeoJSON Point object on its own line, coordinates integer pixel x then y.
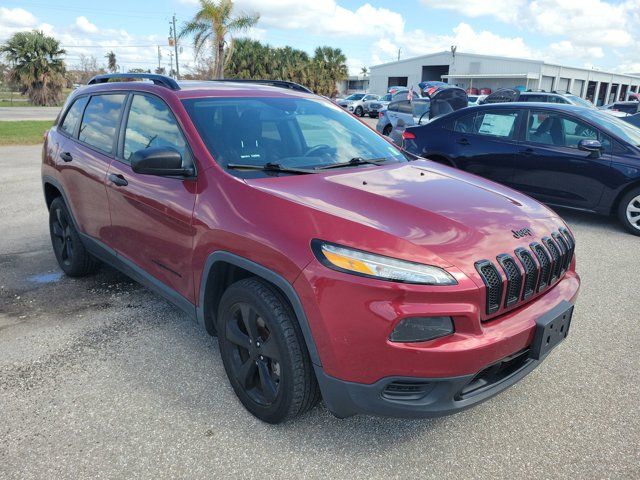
{"type": "Point", "coordinates": [326, 261]}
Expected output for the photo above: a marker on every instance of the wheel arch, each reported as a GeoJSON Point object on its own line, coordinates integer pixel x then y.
{"type": "Point", "coordinates": [223, 268]}
{"type": "Point", "coordinates": [51, 192]}
{"type": "Point", "coordinates": [616, 203]}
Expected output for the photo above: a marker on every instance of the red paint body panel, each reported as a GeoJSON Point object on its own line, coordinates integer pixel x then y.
{"type": "Point", "coordinates": [420, 211]}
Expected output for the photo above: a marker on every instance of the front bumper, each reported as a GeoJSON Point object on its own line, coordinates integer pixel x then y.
{"type": "Point", "coordinates": [412, 397]}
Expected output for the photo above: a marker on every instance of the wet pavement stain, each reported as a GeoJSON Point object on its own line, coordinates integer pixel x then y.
{"type": "Point", "coordinates": [45, 277]}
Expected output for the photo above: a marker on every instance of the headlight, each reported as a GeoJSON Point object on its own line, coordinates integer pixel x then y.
{"type": "Point", "coordinates": [357, 262]}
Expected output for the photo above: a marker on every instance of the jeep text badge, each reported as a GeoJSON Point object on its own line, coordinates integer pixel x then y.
{"type": "Point", "coordinates": [522, 233]}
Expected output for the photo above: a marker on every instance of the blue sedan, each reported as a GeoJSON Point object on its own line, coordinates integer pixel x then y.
{"type": "Point", "coordinates": [563, 155]}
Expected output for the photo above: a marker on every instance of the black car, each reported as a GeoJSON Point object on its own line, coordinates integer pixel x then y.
{"type": "Point", "coordinates": [563, 155]}
{"type": "Point", "coordinates": [630, 108]}
{"type": "Point", "coordinates": [514, 95]}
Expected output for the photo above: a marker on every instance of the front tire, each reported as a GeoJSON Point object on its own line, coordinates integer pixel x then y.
{"type": "Point", "coordinates": [72, 257]}
{"type": "Point", "coordinates": [359, 111]}
{"type": "Point", "coordinates": [629, 211]}
{"type": "Point", "coordinates": [263, 352]}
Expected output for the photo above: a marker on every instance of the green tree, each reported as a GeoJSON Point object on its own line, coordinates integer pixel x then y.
{"type": "Point", "coordinates": [364, 71]}
{"type": "Point", "coordinates": [212, 23]}
{"type": "Point", "coordinates": [112, 64]}
{"type": "Point", "coordinates": [36, 66]}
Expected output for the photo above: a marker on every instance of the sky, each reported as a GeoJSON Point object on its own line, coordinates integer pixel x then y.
{"type": "Point", "coordinates": [586, 33]}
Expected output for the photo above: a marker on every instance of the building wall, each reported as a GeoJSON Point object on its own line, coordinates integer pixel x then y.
{"type": "Point", "coordinates": [540, 75]}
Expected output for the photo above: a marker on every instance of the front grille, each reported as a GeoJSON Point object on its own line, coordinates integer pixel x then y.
{"type": "Point", "coordinates": [555, 258]}
{"type": "Point", "coordinates": [514, 279]}
{"type": "Point", "coordinates": [493, 284]}
{"type": "Point", "coordinates": [530, 271]}
{"type": "Point", "coordinates": [375, 106]}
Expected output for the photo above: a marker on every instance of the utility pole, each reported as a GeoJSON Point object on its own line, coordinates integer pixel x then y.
{"type": "Point", "coordinates": [159, 57]}
{"type": "Point", "coordinates": [171, 56]}
{"type": "Point", "coordinates": [174, 33]}
{"type": "Point", "coordinates": [399, 50]}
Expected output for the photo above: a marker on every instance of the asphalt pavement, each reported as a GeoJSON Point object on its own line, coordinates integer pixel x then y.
{"type": "Point", "coordinates": [99, 378]}
{"type": "Point", "coordinates": [28, 113]}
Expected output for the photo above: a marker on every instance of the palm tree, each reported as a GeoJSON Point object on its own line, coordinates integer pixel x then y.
{"type": "Point", "coordinates": [36, 66]}
{"type": "Point", "coordinates": [212, 23]}
{"type": "Point", "coordinates": [364, 71]}
{"type": "Point", "coordinates": [112, 64]}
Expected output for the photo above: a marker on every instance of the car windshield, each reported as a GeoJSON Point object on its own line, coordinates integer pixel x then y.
{"type": "Point", "coordinates": [290, 132]}
{"type": "Point", "coordinates": [622, 129]}
{"type": "Point", "coordinates": [355, 96]}
{"type": "Point", "coordinates": [580, 101]}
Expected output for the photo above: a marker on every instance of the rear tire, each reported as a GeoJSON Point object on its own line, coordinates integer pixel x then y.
{"type": "Point", "coordinates": [72, 257]}
{"type": "Point", "coordinates": [387, 130]}
{"type": "Point", "coordinates": [263, 352]}
{"type": "Point", "coordinates": [629, 211]}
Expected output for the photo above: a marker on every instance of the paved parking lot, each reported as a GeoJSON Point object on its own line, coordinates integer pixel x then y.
{"type": "Point", "coordinates": [28, 113]}
{"type": "Point", "coordinates": [100, 378]}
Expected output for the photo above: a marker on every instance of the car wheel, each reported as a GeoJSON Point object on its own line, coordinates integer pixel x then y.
{"type": "Point", "coordinates": [387, 129]}
{"type": "Point", "coordinates": [263, 352]}
{"type": "Point", "coordinates": [73, 258]}
{"type": "Point", "coordinates": [359, 112]}
{"type": "Point", "coordinates": [629, 211]}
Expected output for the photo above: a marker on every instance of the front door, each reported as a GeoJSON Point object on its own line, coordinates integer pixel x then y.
{"type": "Point", "coordinates": [551, 168]}
{"type": "Point", "coordinates": [151, 215]}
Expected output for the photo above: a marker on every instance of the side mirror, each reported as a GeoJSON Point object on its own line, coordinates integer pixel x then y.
{"type": "Point", "coordinates": [161, 161]}
{"type": "Point", "coordinates": [594, 147]}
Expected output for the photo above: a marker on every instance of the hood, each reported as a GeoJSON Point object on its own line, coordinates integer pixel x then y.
{"type": "Point", "coordinates": [418, 207]}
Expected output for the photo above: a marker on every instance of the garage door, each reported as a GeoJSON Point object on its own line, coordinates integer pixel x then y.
{"type": "Point", "coordinates": [563, 85]}
{"type": "Point", "coordinates": [546, 83]}
{"type": "Point", "coordinates": [577, 87]}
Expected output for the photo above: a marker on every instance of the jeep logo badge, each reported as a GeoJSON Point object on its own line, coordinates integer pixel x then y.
{"type": "Point", "coordinates": [522, 233]}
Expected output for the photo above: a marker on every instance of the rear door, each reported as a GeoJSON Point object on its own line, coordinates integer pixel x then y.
{"type": "Point", "coordinates": [85, 156]}
{"type": "Point", "coordinates": [151, 215]}
{"type": "Point", "coordinates": [551, 168]}
{"type": "Point", "coordinates": [484, 142]}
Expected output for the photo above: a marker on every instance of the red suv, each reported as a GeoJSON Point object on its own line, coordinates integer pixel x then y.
{"type": "Point", "coordinates": [328, 263]}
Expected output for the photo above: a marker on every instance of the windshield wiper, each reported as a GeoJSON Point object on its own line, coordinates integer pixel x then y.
{"type": "Point", "coordinates": [269, 167]}
{"type": "Point", "coordinates": [354, 162]}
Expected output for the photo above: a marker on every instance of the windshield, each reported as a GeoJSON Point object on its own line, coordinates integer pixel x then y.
{"type": "Point", "coordinates": [355, 96]}
{"type": "Point", "coordinates": [580, 101]}
{"type": "Point", "coordinates": [291, 132]}
{"type": "Point", "coordinates": [622, 129]}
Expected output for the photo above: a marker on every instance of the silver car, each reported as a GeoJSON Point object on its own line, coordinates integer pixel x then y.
{"type": "Point", "coordinates": [373, 107]}
{"type": "Point", "coordinates": [355, 102]}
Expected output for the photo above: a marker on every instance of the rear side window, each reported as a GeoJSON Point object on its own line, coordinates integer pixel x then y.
{"type": "Point", "coordinates": [393, 107]}
{"type": "Point", "coordinates": [404, 107]}
{"type": "Point", "coordinates": [73, 115]}
{"type": "Point", "coordinates": [100, 121]}
{"type": "Point", "coordinates": [151, 124]}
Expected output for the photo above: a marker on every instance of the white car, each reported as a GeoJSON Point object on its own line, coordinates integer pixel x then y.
{"type": "Point", "coordinates": [373, 107]}
{"type": "Point", "coordinates": [476, 99]}
{"type": "Point", "coordinates": [355, 102]}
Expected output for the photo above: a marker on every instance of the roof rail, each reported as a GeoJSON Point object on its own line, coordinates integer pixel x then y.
{"type": "Point", "coordinates": [161, 80]}
{"type": "Point", "coordinates": [274, 83]}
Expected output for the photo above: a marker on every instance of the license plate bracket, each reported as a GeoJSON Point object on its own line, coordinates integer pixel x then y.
{"type": "Point", "coordinates": [551, 329]}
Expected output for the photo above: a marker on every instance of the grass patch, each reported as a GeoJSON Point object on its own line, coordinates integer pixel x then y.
{"type": "Point", "coordinates": [15, 103]}
{"type": "Point", "coordinates": [24, 132]}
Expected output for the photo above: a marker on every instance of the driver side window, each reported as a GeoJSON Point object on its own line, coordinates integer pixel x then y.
{"type": "Point", "coordinates": [151, 124]}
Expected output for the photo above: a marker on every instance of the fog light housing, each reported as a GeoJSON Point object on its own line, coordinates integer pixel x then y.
{"type": "Point", "coordinates": [421, 329]}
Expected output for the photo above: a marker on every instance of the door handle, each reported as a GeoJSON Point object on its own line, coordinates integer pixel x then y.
{"type": "Point", "coordinates": [118, 180]}
{"type": "Point", "coordinates": [66, 156]}
{"type": "Point", "coordinates": [464, 141]}
{"type": "Point", "coordinates": [527, 151]}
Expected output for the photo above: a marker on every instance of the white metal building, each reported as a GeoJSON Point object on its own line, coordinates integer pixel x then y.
{"type": "Point", "coordinates": [484, 71]}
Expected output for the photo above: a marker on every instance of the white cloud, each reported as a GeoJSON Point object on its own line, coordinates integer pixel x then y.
{"type": "Point", "coordinates": [85, 26]}
{"type": "Point", "coordinates": [16, 17]}
{"type": "Point", "coordinates": [505, 10]}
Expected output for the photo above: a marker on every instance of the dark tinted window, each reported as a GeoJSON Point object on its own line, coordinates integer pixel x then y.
{"type": "Point", "coordinates": [404, 107]}
{"type": "Point", "coordinates": [73, 115]}
{"type": "Point", "coordinates": [100, 121]}
{"type": "Point", "coordinates": [393, 107]}
{"type": "Point", "coordinates": [534, 98]}
{"type": "Point", "coordinates": [151, 124]}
